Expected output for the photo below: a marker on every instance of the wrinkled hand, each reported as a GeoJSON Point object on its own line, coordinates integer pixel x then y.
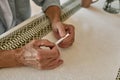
{"type": "Point", "coordinates": [60, 30]}
{"type": "Point", "coordinates": [33, 55]}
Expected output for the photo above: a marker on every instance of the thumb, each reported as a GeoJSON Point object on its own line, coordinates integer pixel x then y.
{"type": "Point", "coordinates": [61, 30]}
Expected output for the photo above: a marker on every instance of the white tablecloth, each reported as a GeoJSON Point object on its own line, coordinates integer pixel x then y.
{"type": "Point", "coordinates": [95, 54]}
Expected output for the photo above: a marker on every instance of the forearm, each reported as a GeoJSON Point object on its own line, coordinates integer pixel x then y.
{"type": "Point", "coordinates": [53, 14]}
{"type": "Point", "coordinates": [8, 58]}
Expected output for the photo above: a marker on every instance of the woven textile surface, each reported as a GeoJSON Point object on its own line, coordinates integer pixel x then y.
{"type": "Point", "coordinates": [35, 28]}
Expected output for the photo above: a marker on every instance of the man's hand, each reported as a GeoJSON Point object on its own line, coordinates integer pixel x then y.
{"type": "Point", "coordinates": [60, 30]}
{"type": "Point", "coordinates": [35, 56]}
{"type": "Point", "coordinates": [87, 3]}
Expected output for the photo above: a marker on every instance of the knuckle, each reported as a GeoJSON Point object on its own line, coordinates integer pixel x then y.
{"type": "Point", "coordinates": [40, 58]}
{"type": "Point", "coordinates": [46, 40]}
{"type": "Point", "coordinates": [33, 41]}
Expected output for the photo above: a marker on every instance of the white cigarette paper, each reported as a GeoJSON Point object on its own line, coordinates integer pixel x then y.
{"type": "Point", "coordinates": [60, 40]}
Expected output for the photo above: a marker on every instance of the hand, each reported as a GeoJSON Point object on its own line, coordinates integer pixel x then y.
{"type": "Point", "coordinates": [60, 30]}
{"type": "Point", "coordinates": [87, 3]}
{"type": "Point", "coordinates": [33, 55]}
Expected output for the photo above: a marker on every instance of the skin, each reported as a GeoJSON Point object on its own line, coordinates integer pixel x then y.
{"type": "Point", "coordinates": [69, 40]}
{"type": "Point", "coordinates": [60, 29]}
{"type": "Point", "coordinates": [87, 3]}
{"type": "Point", "coordinates": [46, 59]}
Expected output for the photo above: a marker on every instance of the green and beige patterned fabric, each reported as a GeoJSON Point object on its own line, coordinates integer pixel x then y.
{"type": "Point", "coordinates": [118, 76]}
{"type": "Point", "coordinates": [35, 27]}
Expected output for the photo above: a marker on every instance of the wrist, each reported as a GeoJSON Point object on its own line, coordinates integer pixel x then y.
{"type": "Point", "coordinates": [18, 56]}
{"type": "Point", "coordinates": [56, 23]}
{"type": "Point", "coordinates": [53, 13]}
{"type": "Point", "coordinates": [56, 20]}
{"type": "Point", "coordinates": [8, 58]}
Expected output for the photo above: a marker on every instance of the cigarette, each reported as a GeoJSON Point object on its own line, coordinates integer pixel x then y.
{"type": "Point", "coordinates": [60, 40]}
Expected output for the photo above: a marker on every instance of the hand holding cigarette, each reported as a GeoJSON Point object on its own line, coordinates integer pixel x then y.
{"type": "Point", "coordinates": [61, 39]}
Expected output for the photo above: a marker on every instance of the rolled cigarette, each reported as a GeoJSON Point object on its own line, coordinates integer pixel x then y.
{"type": "Point", "coordinates": [61, 39]}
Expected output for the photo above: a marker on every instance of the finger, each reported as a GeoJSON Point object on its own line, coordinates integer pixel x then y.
{"type": "Point", "coordinates": [61, 30]}
{"type": "Point", "coordinates": [71, 32]}
{"type": "Point", "coordinates": [47, 43]}
{"type": "Point", "coordinates": [53, 53]}
{"type": "Point", "coordinates": [56, 34]}
{"type": "Point", "coordinates": [54, 65]}
{"type": "Point", "coordinates": [45, 62]}
{"type": "Point", "coordinates": [43, 42]}
{"type": "Point", "coordinates": [70, 39]}
{"type": "Point", "coordinates": [70, 29]}
{"type": "Point", "coordinates": [67, 42]}
{"type": "Point", "coordinates": [55, 61]}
